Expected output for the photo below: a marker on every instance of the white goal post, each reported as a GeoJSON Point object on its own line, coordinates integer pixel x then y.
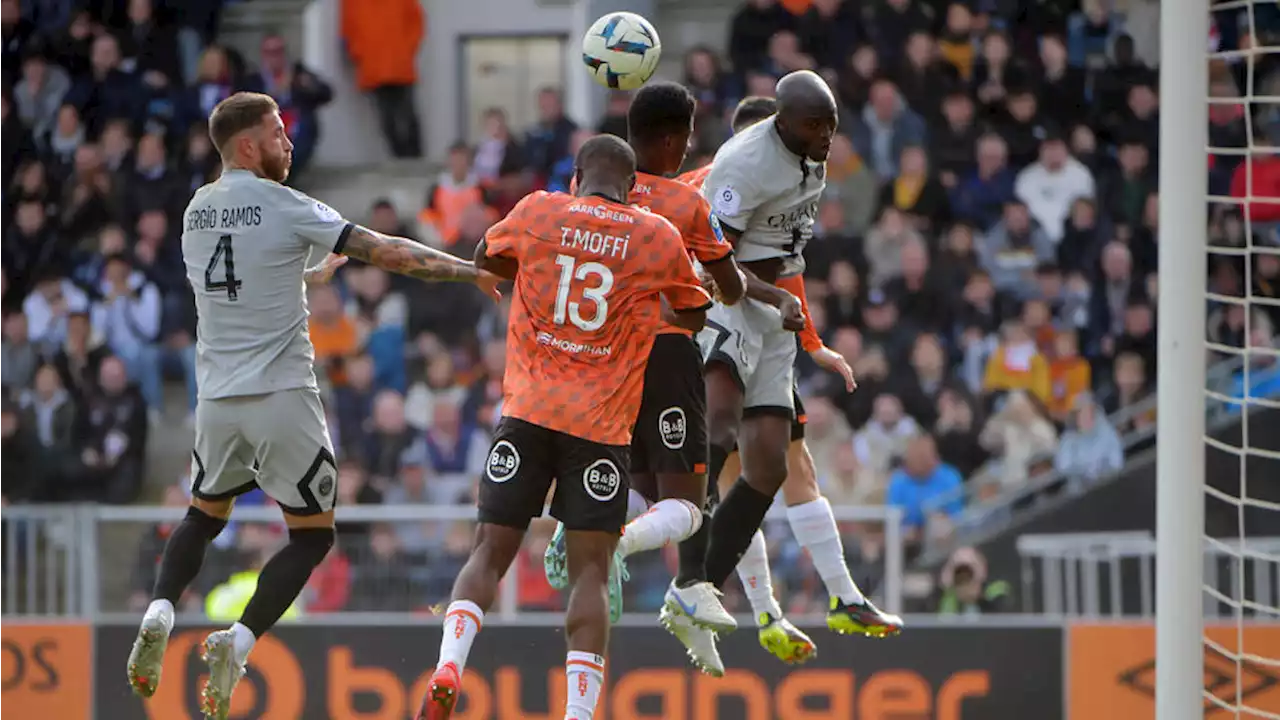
{"type": "Point", "coordinates": [1184, 88]}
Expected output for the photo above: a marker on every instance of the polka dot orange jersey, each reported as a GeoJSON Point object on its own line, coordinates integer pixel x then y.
{"type": "Point", "coordinates": [586, 309]}
{"type": "Point", "coordinates": [691, 215]}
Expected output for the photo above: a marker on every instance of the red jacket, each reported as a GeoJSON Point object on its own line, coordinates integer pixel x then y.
{"type": "Point", "coordinates": [1262, 200]}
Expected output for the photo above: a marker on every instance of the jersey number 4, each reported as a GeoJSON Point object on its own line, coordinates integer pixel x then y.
{"type": "Point", "coordinates": [572, 311]}
{"type": "Point", "coordinates": [229, 283]}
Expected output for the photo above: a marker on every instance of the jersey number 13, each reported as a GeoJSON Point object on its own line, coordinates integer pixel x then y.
{"type": "Point", "coordinates": [572, 311]}
{"type": "Point", "coordinates": [228, 283]}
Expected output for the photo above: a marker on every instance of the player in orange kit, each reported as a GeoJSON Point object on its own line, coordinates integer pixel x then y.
{"type": "Point", "coordinates": [808, 511]}
{"type": "Point", "coordinates": [594, 278]}
{"type": "Point", "coordinates": [669, 447]}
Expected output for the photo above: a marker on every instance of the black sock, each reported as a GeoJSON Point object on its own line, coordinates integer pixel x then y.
{"type": "Point", "coordinates": [184, 554]}
{"type": "Point", "coordinates": [732, 526]}
{"type": "Point", "coordinates": [284, 576]}
{"type": "Point", "coordinates": [693, 550]}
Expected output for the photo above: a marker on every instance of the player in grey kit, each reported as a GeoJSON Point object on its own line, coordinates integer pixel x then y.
{"type": "Point", "coordinates": [259, 421]}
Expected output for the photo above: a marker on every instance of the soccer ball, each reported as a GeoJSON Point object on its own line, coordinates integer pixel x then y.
{"type": "Point", "coordinates": [621, 50]}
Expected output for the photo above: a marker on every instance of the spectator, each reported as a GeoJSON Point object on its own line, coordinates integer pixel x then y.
{"type": "Point", "coordinates": [924, 488]}
{"type": "Point", "coordinates": [1126, 188]}
{"type": "Point", "coordinates": [964, 589]}
{"type": "Point", "coordinates": [953, 140]}
{"type": "Point", "coordinates": [333, 332]}
{"type": "Point", "coordinates": [926, 379]}
{"type": "Point", "coordinates": [853, 185]}
{"type": "Point", "coordinates": [32, 248]}
{"type": "Point", "coordinates": [20, 358]}
{"type": "Point", "coordinates": [128, 316]}
{"type": "Point", "coordinates": [1062, 87]}
{"type": "Point", "coordinates": [1090, 448]}
{"type": "Point", "coordinates": [956, 44]}
{"type": "Point", "coordinates": [856, 80]}
{"type": "Point", "coordinates": [16, 33]}
{"type": "Point", "coordinates": [956, 432]}
{"type": "Point", "coordinates": [1078, 249]}
{"type": "Point", "coordinates": [329, 587]}
{"type": "Point", "coordinates": [219, 559]}
{"type": "Point", "coordinates": [497, 154]}
{"type": "Point", "coordinates": [917, 293]}
{"type": "Point", "coordinates": [1021, 124]}
{"type": "Point", "coordinates": [1110, 297]}
{"type": "Point", "coordinates": [549, 139]}
{"type": "Point", "coordinates": [22, 456]}
{"type": "Point", "coordinates": [884, 127]}
{"type": "Point", "coordinates": [47, 309]}
{"type": "Point", "coordinates": [1091, 34]}
{"type": "Point", "coordinates": [1017, 364]}
{"type": "Point", "coordinates": [456, 451]}
{"type": "Point", "coordinates": [153, 185]}
{"type": "Point", "coordinates": [149, 46]}
{"type": "Point", "coordinates": [980, 196]}
{"type": "Point", "coordinates": [456, 189]}
{"type": "Point", "coordinates": [1022, 438]}
{"type": "Point", "coordinates": [710, 84]}
{"type": "Point", "coordinates": [80, 358]}
{"type": "Point", "coordinates": [51, 414]}
{"type": "Point", "coordinates": [881, 443]}
{"type": "Point", "coordinates": [353, 404]}
{"type": "Point", "coordinates": [1012, 250]}
{"type": "Point", "coordinates": [39, 94]}
{"type": "Point", "coordinates": [1050, 186]}
{"type": "Point", "coordinates": [614, 121]}
{"type": "Point", "coordinates": [383, 42]}
{"type": "Point", "coordinates": [114, 436]}
{"type": "Point", "coordinates": [996, 73]}
{"type": "Point", "coordinates": [298, 91]}
{"type": "Point", "coordinates": [1069, 374]}
{"type": "Point", "coordinates": [891, 23]}
{"type": "Point", "coordinates": [1260, 378]}
{"type": "Point", "coordinates": [923, 78]}
{"type": "Point", "coordinates": [388, 437]}
{"type": "Point", "coordinates": [916, 192]}
{"type": "Point", "coordinates": [885, 241]}
{"type": "Point", "coordinates": [1139, 335]}
{"type": "Point", "coordinates": [749, 32]}
{"type": "Point", "coordinates": [107, 91]}
{"type": "Point", "coordinates": [829, 30]}
{"type": "Point", "coordinates": [881, 327]}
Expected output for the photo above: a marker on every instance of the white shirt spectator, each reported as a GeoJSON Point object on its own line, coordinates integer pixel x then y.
{"type": "Point", "coordinates": [47, 309]}
{"type": "Point", "coordinates": [128, 322]}
{"type": "Point", "coordinates": [1049, 193]}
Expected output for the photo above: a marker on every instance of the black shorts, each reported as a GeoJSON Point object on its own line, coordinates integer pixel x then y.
{"type": "Point", "coordinates": [797, 423]}
{"type": "Point", "coordinates": [591, 479]}
{"type": "Point", "coordinates": [670, 435]}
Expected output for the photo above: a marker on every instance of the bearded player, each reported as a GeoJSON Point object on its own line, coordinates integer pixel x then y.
{"type": "Point", "coordinates": [593, 274]}
{"type": "Point", "coordinates": [808, 513]}
{"type": "Point", "coordinates": [669, 444]}
{"type": "Point", "coordinates": [259, 419]}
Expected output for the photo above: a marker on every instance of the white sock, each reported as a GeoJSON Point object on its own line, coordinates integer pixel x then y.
{"type": "Point", "coordinates": [163, 610]}
{"type": "Point", "coordinates": [585, 674]}
{"type": "Point", "coordinates": [816, 531]}
{"type": "Point", "coordinates": [757, 583]}
{"type": "Point", "coordinates": [243, 641]}
{"type": "Point", "coordinates": [462, 620]}
{"type": "Point", "coordinates": [668, 521]}
{"type": "Point", "coordinates": [636, 505]}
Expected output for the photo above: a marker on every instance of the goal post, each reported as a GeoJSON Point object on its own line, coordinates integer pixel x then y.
{"type": "Point", "coordinates": [1180, 455]}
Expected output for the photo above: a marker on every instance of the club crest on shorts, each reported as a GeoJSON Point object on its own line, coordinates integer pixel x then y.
{"type": "Point", "coordinates": [672, 427]}
{"type": "Point", "coordinates": [504, 462]}
{"type": "Point", "coordinates": [602, 480]}
{"type": "Point", "coordinates": [326, 486]}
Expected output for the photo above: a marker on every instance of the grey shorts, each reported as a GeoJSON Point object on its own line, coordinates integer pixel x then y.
{"type": "Point", "coordinates": [749, 338]}
{"type": "Point", "coordinates": [278, 442]}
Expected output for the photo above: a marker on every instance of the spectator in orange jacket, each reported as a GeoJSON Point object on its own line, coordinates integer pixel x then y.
{"type": "Point", "coordinates": [382, 39]}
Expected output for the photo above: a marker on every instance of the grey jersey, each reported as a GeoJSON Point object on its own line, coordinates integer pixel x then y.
{"type": "Point", "coordinates": [246, 242]}
{"type": "Point", "coordinates": [769, 194]}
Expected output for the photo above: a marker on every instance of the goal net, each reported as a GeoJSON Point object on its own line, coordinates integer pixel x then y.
{"type": "Point", "coordinates": [1218, 644]}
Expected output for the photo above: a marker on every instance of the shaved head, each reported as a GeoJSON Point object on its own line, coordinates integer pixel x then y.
{"type": "Point", "coordinates": [606, 164]}
{"type": "Point", "coordinates": [807, 114]}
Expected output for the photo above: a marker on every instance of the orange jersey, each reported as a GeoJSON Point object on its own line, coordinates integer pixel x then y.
{"type": "Point", "coordinates": [690, 213]}
{"type": "Point", "coordinates": [586, 309]}
{"type": "Point", "coordinates": [696, 176]}
{"type": "Point", "coordinates": [809, 339]}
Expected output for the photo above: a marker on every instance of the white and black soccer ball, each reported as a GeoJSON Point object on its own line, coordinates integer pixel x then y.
{"type": "Point", "coordinates": [621, 50]}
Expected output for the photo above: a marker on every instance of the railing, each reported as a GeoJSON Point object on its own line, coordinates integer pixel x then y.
{"type": "Point", "coordinates": [1112, 575]}
{"type": "Point", "coordinates": [98, 562]}
{"type": "Point", "coordinates": [986, 516]}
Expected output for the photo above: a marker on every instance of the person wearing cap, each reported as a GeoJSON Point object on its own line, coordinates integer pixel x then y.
{"type": "Point", "coordinates": [1053, 183]}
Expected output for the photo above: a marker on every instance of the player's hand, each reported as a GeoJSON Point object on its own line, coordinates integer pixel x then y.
{"type": "Point", "coordinates": [323, 272]}
{"type": "Point", "coordinates": [792, 313]}
{"type": "Point", "coordinates": [709, 284]}
{"type": "Point", "coordinates": [488, 284]}
{"type": "Point", "coordinates": [832, 361]}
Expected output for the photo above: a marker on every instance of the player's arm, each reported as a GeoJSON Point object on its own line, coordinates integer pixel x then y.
{"type": "Point", "coordinates": [503, 266]}
{"type": "Point", "coordinates": [733, 196]}
{"type": "Point", "coordinates": [704, 237]}
{"type": "Point", "coordinates": [691, 319]}
{"type": "Point", "coordinates": [684, 301]}
{"type": "Point", "coordinates": [754, 287]}
{"type": "Point", "coordinates": [406, 257]}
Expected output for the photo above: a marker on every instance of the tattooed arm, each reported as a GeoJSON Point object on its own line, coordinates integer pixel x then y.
{"type": "Point", "coordinates": [406, 257]}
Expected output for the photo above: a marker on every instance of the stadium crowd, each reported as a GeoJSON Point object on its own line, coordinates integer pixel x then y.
{"type": "Point", "coordinates": [986, 257]}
